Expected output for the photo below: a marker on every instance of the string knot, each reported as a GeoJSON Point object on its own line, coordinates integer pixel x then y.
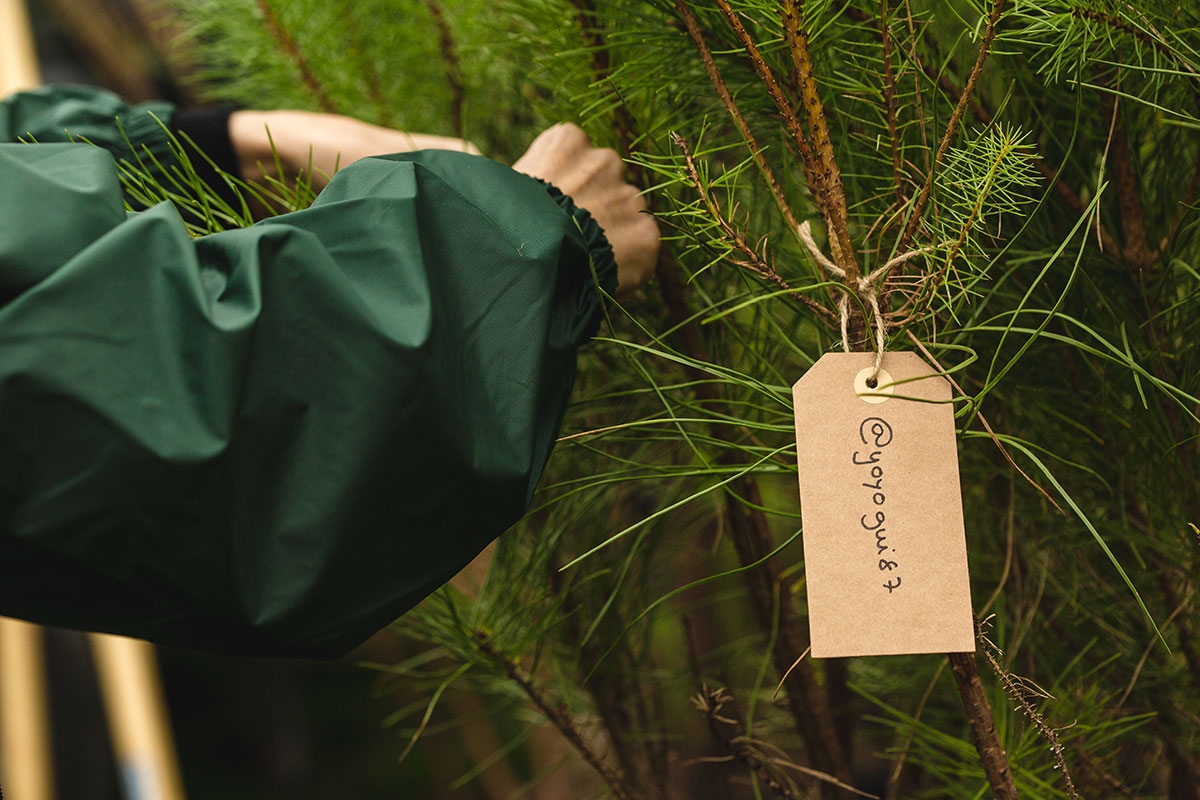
{"type": "Point", "coordinates": [865, 286]}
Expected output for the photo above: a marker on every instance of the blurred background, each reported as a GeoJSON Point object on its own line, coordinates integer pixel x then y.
{"type": "Point", "coordinates": [118, 44]}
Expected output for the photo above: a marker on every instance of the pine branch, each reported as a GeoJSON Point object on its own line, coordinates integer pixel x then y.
{"type": "Point", "coordinates": [750, 259]}
{"type": "Point", "coordinates": [727, 731]}
{"type": "Point", "coordinates": [557, 715]}
{"type": "Point", "coordinates": [1021, 697]}
{"type": "Point", "coordinates": [1114, 22]}
{"type": "Point", "coordinates": [816, 151]}
{"type": "Point", "coordinates": [1157, 44]}
{"type": "Point", "coordinates": [289, 47]}
{"type": "Point", "coordinates": [614, 689]}
{"type": "Point", "coordinates": [454, 74]}
{"type": "Point", "coordinates": [714, 74]}
{"type": "Point", "coordinates": [753, 540]}
{"type": "Point", "coordinates": [919, 101]}
{"type": "Point", "coordinates": [1051, 173]}
{"type": "Point", "coordinates": [752, 537]}
{"type": "Point", "coordinates": [754, 754]}
{"type": "Point", "coordinates": [1007, 148]}
{"type": "Point", "coordinates": [889, 98]}
{"type": "Point", "coordinates": [667, 272]}
{"type": "Point", "coordinates": [952, 126]}
{"type": "Point", "coordinates": [812, 173]}
{"type": "Point", "coordinates": [592, 28]}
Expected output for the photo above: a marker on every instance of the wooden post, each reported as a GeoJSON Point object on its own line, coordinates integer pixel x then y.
{"type": "Point", "coordinates": [137, 718]}
{"type": "Point", "coordinates": [18, 58]}
{"type": "Point", "coordinates": [25, 753]}
{"type": "Point", "coordinates": [28, 772]}
{"type": "Point", "coordinates": [126, 668]}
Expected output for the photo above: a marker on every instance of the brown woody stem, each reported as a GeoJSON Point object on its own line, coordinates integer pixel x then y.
{"type": "Point", "coordinates": [750, 532]}
{"type": "Point", "coordinates": [752, 538]}
{"type": "Point", "coordinates": [983, 726]}
{"type": "Point", "coordinates": [714, 74]}
{"type": "Point", "coordinates": [837, 217]}
{"type": "Point", "coordinates": [889, 97]}
{"type": "Point", "coordinates": [728, 732]}
{"type": "Point", "coordinates": [791, 121]}
{"type": "Point", "coordinates": [749, 528]}
{"type": "Point", "coordinates": [1136, 253]}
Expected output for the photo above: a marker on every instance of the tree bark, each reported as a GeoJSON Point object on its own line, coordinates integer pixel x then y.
{"type": "Point", "coordinates": [983, 726]}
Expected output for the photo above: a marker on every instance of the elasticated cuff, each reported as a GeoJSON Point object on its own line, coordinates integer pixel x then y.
{"type": "Point", "coordinates": [589, 302]}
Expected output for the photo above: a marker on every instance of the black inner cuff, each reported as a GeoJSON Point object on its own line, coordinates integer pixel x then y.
{"type": "Point", "coordinates": [208, 128]}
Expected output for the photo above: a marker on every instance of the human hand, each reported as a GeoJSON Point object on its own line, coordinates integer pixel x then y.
{"type": "Point", "coordinates": [319, 144]}
{"type": "Point", "coordinates": [307, 140]}
{"type": "Point", "coordinates": [595, 179]}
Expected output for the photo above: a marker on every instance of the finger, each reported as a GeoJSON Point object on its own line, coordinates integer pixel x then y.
{"type": "Point", "coordinates": [601, 167]}
{"type": "Point", "coordinates": [572, 132]}
{"type": "Point", "coordinates": [564, 136]}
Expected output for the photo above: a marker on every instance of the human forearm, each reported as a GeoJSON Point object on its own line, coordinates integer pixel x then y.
{"type": "Point", "coordinates": [563, 156]}
{"type": "Point", "coordinates": [321, 143]}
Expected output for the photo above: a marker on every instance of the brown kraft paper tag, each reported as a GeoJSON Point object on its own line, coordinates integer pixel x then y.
{"type": "Point", "coordinates": [885, 555]}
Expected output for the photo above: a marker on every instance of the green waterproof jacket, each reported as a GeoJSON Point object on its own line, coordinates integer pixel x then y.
{"type": "Point", "coordinates": [272, 440]}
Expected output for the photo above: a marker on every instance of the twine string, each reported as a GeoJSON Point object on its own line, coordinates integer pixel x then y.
{"type": "Point", "coordinates": [866, 287]}
{"type": "Point", "coordinates": [844, 316]}
{"type": "Point", "coordinates": [806, 236]}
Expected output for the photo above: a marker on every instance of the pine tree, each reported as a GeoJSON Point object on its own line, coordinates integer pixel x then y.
{"type": "Point", "coordinates": [1015, 184]}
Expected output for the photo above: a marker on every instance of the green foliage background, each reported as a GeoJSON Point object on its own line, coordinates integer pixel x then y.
{"type": "Point", "coordinates": [1055, 278]}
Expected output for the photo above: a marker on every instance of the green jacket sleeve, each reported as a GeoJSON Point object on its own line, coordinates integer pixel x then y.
{"type": "Point", "coordinates": [276, 440]}
{"type": "Point", "coordinates": [137, 134]}
{"type": "Point", "coordinates": [78, 113]}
